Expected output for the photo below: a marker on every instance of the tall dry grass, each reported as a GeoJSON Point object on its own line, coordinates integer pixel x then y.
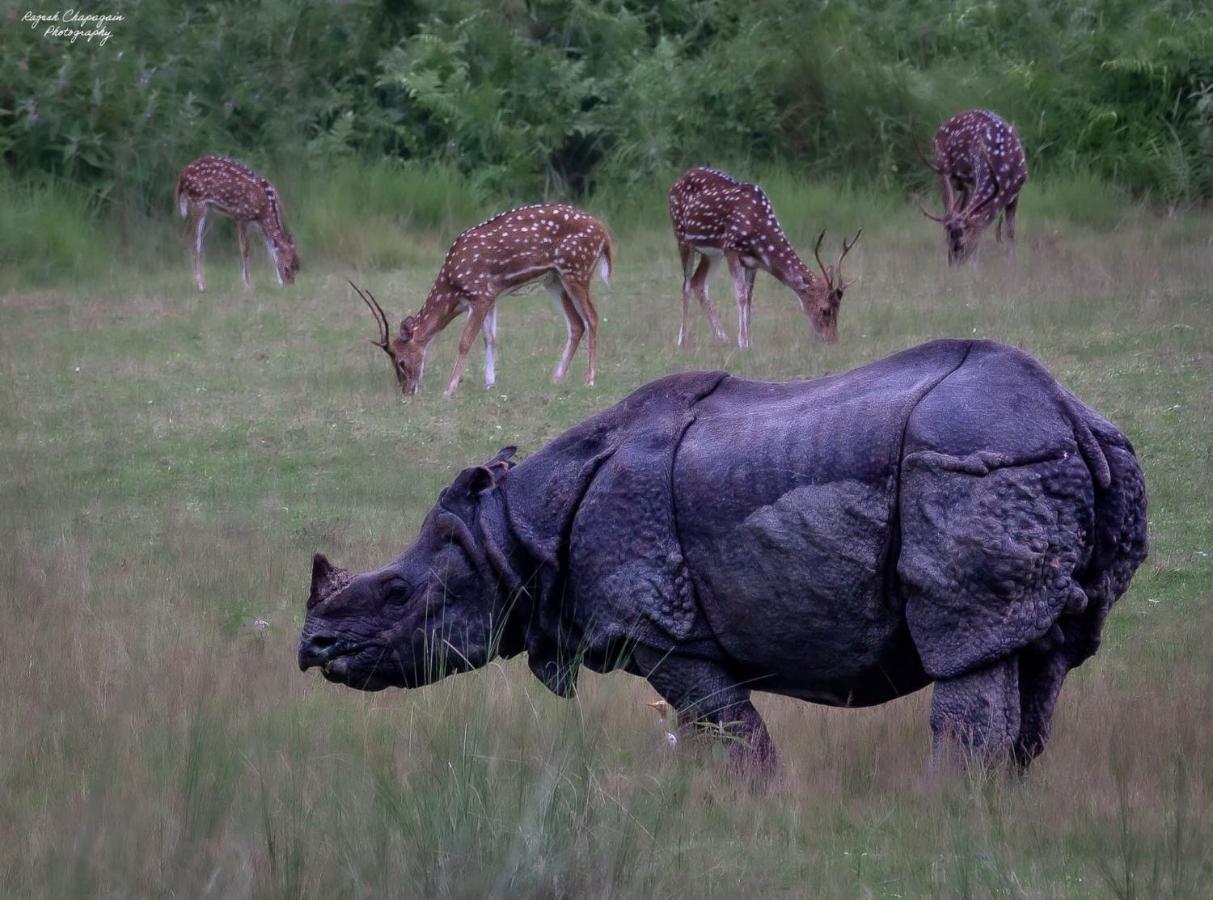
{"type": "Point", "coordinates": [149, 753]}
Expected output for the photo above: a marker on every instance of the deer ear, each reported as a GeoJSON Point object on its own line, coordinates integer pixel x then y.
{"type": "Point", "coordinates": [407, 327]}
{"type": "Point", "coordinates": [326, 578]}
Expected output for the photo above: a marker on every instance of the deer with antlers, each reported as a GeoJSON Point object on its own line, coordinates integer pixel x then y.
{"type": "Point", "coordinates": [716, 215]}
{"type": "Point", "coordinates": [549, 243]}
{"type": "Point", "coordinates": [215, 183]}
{"type": "Point", "coordinates": [981, 167]}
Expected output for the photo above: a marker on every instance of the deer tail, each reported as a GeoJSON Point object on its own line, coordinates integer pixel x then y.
{"type": "Point", "coordinates": [183, 202]}
{"type": "Point", "coordinates": [606, 259]}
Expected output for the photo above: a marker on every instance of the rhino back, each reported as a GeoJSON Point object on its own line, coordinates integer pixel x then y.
{"type": "Point", "coordinates": [784, 502]}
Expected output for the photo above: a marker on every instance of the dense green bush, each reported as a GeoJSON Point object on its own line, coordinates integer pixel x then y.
{"type": "Point", "coordinates": [553, 97]}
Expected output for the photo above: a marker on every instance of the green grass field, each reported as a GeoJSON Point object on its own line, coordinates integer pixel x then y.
{"type": "Point", "coordinates": [171, 460]}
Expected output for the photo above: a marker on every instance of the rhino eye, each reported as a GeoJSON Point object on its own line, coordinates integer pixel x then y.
{"type": "Point", "coordinates": [396, 588]}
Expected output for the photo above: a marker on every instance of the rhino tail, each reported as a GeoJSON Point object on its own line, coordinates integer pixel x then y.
{"type": "Point", "coordinates": [1088, 445]}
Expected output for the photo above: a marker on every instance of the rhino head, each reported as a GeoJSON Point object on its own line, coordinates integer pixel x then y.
{"type": "Point", "coordinates": [438, 609]}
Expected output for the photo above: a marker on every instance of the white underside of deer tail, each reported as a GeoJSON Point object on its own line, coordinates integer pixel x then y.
{"type": "Point", "coordinates": [183, 204]}
{"type": "Point", "coordinates": [604, 267]}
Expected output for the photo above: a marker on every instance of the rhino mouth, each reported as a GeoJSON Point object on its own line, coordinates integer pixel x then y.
{"type": "Point", "coordinates": [342, 670]}
{"type": "Point", "coordinates": [342, 667]}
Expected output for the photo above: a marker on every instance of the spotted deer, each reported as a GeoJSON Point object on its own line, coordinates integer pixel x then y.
{"type": "Point", "coordinates": [981, 167]}
{"type": "Point", "coordinates": [233, 189]}
{"type": "Point", "coordinates": [716, 215]}
{"type": "Point", "coordinates": [550, 243]}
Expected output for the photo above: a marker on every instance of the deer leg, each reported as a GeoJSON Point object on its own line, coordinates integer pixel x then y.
{"type": "Point", "coordinates": [749, 299]}
{"type": "Point", "coordinates": [1010, 217]}
{"type": "Point", "coordinates": [580, 293]}
{"type": "Point", "coordinates": [699, 284]}
{"type": "Point", "coordinates": [686, 254]}
{"type": "Point", "coordinates": [241, 233]}
{"type": "Point", "coordinates": [198, 213]}
{"type": "Point", "coordinates": [269, 247]}
{"type": "Point", "coordinates": [574, 328]}
{"type": "Point", "coordinates": [489, 330]}
{"type": "Point", "coordinates": [476, 313]}
{"type": "Point", "coordinates": [741, 289]}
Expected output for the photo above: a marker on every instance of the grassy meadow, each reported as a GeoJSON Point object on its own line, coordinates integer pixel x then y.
{"type": "Point", "coordinates": [170, 460]}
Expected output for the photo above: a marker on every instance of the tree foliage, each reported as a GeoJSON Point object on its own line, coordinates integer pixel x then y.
{"type": "Point", "coordinates": [555, 97]}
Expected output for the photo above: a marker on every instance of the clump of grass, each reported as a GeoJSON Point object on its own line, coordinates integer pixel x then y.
{"type": "Point", "coordinates": [372, 215]}
{"type": "Point", "coordinates": [50, 231]}
{"type": "Point", "coordinates": [1078, 199]}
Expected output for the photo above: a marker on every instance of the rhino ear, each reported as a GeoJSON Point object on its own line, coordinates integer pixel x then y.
{"type": "Point", "coordinates": [504, 457]}
{"type": "Point", "coordinates": [472, 481]}
{"type": "Point", "coordinates": [326, 578]}
{"type": "Point", "coordinates": [478, 479]}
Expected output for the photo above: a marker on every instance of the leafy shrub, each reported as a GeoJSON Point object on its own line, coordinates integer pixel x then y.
{"type": "Point", "coordinates": [529, 98]}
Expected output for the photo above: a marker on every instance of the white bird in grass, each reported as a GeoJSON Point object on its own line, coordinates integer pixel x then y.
{"type": "Point", "coordinates": [664, 712]}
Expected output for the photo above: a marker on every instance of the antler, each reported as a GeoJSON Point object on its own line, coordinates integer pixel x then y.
{"type": "Point", "coordinates": [817, 253]}
{"type": "Point", "coordinates": [923, 210]}
{"type": "Point", "coordinates": [380, 317]}
{"type": "Point", "coordinates": [846, 248]}
{"type": "Point", "coordinates": [828, 272]}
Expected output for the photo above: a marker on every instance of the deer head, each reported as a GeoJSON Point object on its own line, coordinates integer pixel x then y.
{"type": "Point", "coordinates": [963, 227]}
{"type": "Point", "coordinates": [956, 232]}
{"type": "Point", "coordinates": [821, 301]}
{"type": "Point", "coordinates": [406, 352]}
{"type": "Point", "coordinates": [286, 258]}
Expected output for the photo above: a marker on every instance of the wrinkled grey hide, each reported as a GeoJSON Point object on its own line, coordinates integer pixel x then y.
{"type": "Point", "coordinates": [947, 515]}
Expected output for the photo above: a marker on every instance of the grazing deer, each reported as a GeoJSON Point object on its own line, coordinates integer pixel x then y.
{"type": "Point", "coordinates": [981, 167]}
{"type": "Point", "coordinates": [551, 243]}
{"type": "Point", "coordinates": [232, 188]}
{"type": "Point", "coordinates": [716, 215]}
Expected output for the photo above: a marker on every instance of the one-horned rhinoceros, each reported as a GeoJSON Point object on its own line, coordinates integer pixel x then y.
{"type": "Point", "coordinates": [948, 515]}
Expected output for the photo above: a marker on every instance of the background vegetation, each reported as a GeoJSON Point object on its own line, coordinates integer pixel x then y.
{"type": "Point", "coordinates": [547, 98]}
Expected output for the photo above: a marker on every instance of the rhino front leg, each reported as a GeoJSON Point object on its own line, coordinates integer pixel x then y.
{"type": "Point", "coordinates": [976, 716]}
{"type": "Point", "coordinates": [711, 700]}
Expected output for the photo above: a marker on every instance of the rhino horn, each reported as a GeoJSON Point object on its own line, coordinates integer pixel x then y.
{"type": "Point", "coordinates": [327, 579]}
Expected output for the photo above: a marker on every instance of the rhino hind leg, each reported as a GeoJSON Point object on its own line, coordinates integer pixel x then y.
{"type": "Point", "coordinates": [993, 554]}
{"type": "Point", "coordinates": [1040, 679]}
{"type": "Point", "coordinates": [976, 716]}
{"type": "Point", "coordinates": [712, 701]}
